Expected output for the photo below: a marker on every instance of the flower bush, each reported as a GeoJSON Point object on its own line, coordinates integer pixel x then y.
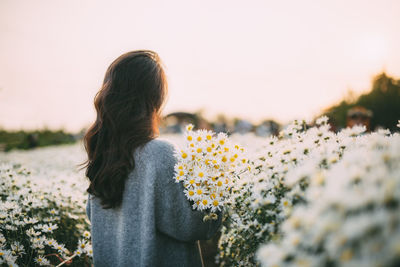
{"type": "Point", "coordinates": [352, 218]}
{"type": "Point", "coordinates": [42, 223]}
{"type": "Point", "coordinates": [288, 174]}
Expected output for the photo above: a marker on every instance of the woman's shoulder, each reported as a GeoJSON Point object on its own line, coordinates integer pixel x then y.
{"type": "Point", "coordinates": [158, 148]}
{"type": "Point", "coordinates": [160, 145]}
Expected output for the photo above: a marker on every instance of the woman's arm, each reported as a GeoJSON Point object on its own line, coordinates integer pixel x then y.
{"type": "Point", "coordinates": [174, 214]}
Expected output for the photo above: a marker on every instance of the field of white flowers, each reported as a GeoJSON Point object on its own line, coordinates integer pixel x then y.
{"type": "Point", "coordinates": [309, 197]}
{"type": "Point", "coordinates": [315, 198]}
{"type": "Point", "coordinates": [42, 211]}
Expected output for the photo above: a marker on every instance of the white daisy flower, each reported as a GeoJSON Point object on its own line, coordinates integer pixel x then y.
{"type": "Point", "coordinates": [41, 260]}
{"type": "Point", "coordinates": [86, 234]}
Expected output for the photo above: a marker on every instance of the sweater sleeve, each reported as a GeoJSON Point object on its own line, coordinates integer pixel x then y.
{"type": "Point", "coordinates": [174, 214]}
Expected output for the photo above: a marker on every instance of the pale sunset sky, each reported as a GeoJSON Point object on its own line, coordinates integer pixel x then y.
{"type": "Point", "coordinates": [251, 59]}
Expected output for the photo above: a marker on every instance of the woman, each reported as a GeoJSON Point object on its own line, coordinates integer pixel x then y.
{"type": "Point", "coordinates": [139, 215]}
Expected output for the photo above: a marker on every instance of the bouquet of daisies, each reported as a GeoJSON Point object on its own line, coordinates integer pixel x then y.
{"type": "Point", "coordinates": [208, 166]}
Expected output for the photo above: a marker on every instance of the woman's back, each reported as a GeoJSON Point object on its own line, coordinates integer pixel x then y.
{"type": "Point", "coordinates": [155, 224]}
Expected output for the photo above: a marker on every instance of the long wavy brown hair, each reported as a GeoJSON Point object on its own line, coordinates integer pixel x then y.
{"type": "Point", "coordinates": [128, 107]}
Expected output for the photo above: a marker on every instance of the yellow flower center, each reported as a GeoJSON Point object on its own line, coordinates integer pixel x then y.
{"type": "Point", "coordinates": [201, 174]}
{"type": "Point", "coordinates": [219, 183]}
{"type": "Point", "coordinates": [215, 203]}
{"type": "Point", "coordinates": [208, 137]}
{"type": "Point", "coordinates": [184, 155]}
{"type": "Point", "coordinates": [199, 138]}
{"type": "Point", "coordinates": [189, 138]}
{"type": "Point", "coordinates": [205, 201]}
{"type": "Point", "coordinates": [191, 181]}
{"type": "Point", "coordinates": [199, 150]}
{"type": "Point", "coordinates": [191, 193]}
{"type": "Point", "coordinates": [181, 173]}
{"type": "Point", "coordinates": [209, 149]}
{"type": "Point", "coordinates": [199, 191]}
{"type": "Point", "coordinates": [347, 255]}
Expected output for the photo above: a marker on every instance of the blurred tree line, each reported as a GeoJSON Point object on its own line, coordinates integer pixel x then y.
{"type": "Point", "coordinates": [30, 139]}
{"type": "Point", "coordinates": [383, 100]}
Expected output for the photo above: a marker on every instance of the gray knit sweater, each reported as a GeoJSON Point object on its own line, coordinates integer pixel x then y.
{"type": "Point", "coordinates": [155, 225]}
